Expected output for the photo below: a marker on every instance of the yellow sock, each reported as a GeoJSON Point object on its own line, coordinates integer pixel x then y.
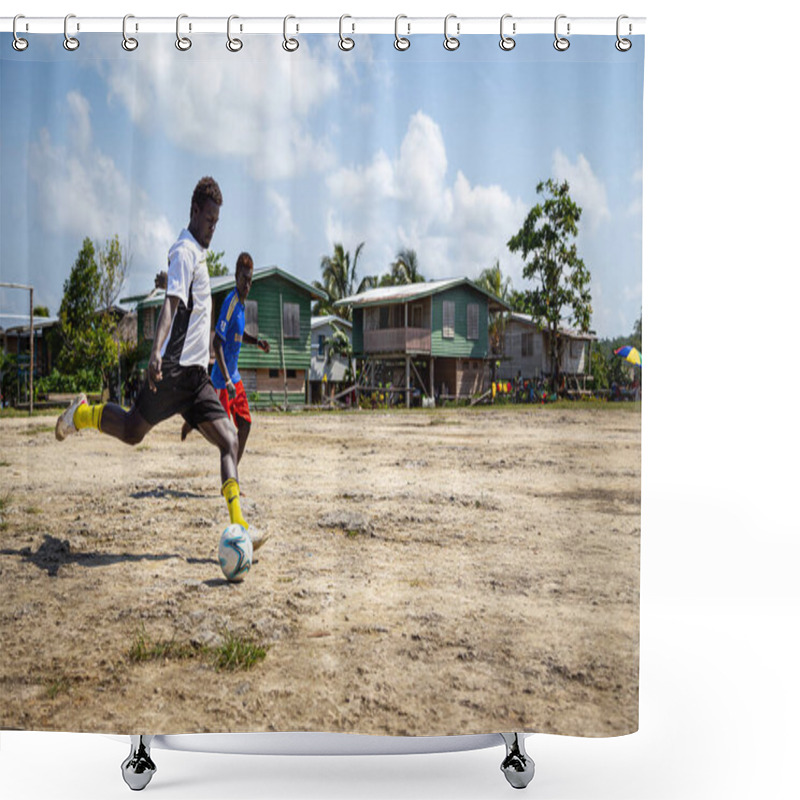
{"type": "Point", "coordinates": [87, 416]}
{"type": "Point", "coordinates": [230, 490]}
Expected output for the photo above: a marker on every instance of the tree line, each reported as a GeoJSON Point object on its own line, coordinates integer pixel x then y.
{"type": "Point", "coordinates": [88, 350]}
{"type": "Point", "coordinates": [560, 282]}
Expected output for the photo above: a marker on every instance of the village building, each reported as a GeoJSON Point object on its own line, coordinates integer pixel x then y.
{"type": "Point", "coordinates": [278, 309]}
{"type": "Point", "coordinates": [428, 339]}
{"type": "Point", "coordinates": [526, 353]}
{"type": "Point", "coordinates": [328, 372]}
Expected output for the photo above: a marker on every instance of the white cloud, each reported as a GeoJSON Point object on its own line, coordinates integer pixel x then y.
{"type": "Point", "coordinates": [585, 188]}
{"type": "Point", "coordinates": [456, 228]}
{"type": "Point", "coordinates": [281, 216]}
{"type": "Point", "coordinates": [81, 192]}
{"type": "Point", "coordinates": [255, 106]}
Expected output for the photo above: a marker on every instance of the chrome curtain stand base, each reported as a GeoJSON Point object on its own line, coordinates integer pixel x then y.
{"type": "Point", "coordinates": [138, 768]}
{"type": "Point", "coordinates": [518, 766]}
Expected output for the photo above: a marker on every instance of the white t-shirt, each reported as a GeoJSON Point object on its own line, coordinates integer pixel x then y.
{"type": "Point", "coordinates": [187, 279]}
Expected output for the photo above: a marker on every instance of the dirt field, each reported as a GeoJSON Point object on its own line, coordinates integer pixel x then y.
{"type": "Point", "coordinates": [427, 573]}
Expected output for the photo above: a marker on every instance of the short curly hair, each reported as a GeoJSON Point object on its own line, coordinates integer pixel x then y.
{"type": "Point", "coordinates": [206, 189]}
{"type": "Point", "coordinates": [245, 261]}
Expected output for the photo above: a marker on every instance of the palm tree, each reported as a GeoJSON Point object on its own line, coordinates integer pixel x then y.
{"type": "Point", "coordinates": [405, 268]}
{"type": "Point", "coordinates": [492, 280]}
{"type": "Point", "coordinates": [340, 279]}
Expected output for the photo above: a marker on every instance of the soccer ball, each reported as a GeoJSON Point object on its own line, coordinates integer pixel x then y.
{"type": "Point", "coordinates": [235, 552]}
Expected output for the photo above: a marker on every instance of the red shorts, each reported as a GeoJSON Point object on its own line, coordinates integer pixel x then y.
{"type": "Point", "coordinates": [237, 407]}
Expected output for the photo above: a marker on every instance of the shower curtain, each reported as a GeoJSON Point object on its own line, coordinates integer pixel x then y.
{"type": "Point", "coordinates": [437, 452]}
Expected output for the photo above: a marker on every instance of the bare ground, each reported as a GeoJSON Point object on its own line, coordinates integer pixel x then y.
{"type": "Point", "coordinates": [427, 573]}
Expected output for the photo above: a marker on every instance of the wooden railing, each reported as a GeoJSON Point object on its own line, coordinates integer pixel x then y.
{"type": "Point", "coordinates": [398, 340]}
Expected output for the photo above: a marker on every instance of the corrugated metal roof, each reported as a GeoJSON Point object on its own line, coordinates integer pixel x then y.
{"type": "Point", "coordinates": [316, 322]}
{"type": "Point", "coordinates": [222, 283]}
{"type": "Point", "coordinates": [14, 322]}
{"type": "Point", "coordinates": [412, 291]}
{"type": "Point", "coordinates": [563, 328]}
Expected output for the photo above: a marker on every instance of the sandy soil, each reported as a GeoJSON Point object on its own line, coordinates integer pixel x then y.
{"type": "Point", "coordinates": [427, 573]}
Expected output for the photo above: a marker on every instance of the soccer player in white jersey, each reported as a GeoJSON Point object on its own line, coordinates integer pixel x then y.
{"type": "Point", "coordinates": [177, 379]}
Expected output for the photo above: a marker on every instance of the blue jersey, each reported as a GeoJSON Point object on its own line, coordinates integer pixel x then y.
{"type": "Point", "coordinates": [230, 328]}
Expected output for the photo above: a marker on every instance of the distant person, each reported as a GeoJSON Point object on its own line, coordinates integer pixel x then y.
{"type": "Point", "coordinates": [177, 377]}
{"type": "Point", "coordinates": [228, 337]}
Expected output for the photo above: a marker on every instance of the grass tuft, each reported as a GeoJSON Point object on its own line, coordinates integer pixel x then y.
{"type": "Point", "coordinates": [237, 653]}
{"type": "Point", "coordinates": [144, 649]}
{"type": "Point", "coordinates": [58, 686]}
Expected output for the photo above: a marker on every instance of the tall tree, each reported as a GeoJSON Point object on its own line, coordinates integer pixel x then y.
{"type": "Point", "coordinates": [87, 327]}
{"type": "Point", "coordinates": [214, 263]}
{"type": "Point", "coordinates": [340, 279]}
{"type": "Point", "coordinates": [113, 263]}
{"type": "Point", "coordinates": [561, 279]}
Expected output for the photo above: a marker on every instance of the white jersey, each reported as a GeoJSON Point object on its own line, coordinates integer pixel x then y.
{"type": "Point", "coordinates": [187, 279]}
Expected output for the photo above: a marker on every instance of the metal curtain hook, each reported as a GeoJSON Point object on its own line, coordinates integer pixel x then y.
{"type": "Point", "coordinates": [451, 42]}
{"type": "Point", "coordinates": [70, 42]}
{"type": "Point", "coordinates": [128, 42]}
{"type": "Point", "coordinates": [400, 42]}
{"type": "Point", "coordinates": [183, 43]}
{"type": "Point", "coordinates": [234, 45]}
{"type": "Point", "coordinates": [506, 42]}
{"type": "Point", "coordinates": [19, 44]}
{"type": "Point", "coordinates": [623, 45]}
{"type": "Point", "coordinates": [289, 45]}
{"type": "Point", "coordinates": [345, 43]}
{"type": "Point", "coordinates": [561, 43]}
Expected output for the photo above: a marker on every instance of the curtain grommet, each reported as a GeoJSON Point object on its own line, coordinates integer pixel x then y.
{"type": "Point", "coordinates": [183, 43]}
{"type": "Point", "coordinates": [623, 45]}
{"type": "Point", "coordinates": [129, 44]}
{"type": "Point", "coordinates": [561, 43]}
{"type": "Point", "coordinates": [401, 43]}
{"type": "Point", "coordinates": [451, 43]}
{"type": "Point", "coordinates": [289, 45]}
{"type": "Point", "coordinates": [70, 42]}
{"type": "Point", "coordinates": [18, 43]}
{"type": "Point", "coordinates": [507, 43]}
{"type": "Point", "coordinates": [345, 42]}
{"type": "Point", "coordinates": [234, 45]}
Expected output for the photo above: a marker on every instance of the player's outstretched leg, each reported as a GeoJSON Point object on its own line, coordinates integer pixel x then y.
{"type": "Point", "coordinates": [127, 426]}
{"type": "Point", "coordinates": [65, 425]}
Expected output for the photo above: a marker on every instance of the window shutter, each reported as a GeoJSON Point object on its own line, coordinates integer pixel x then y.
{"type": "Point", "coordinates": [473, 314]}
{"type": "Point", "coordinates": [251, 317]}
{"type": "Point", "coordinates": [291, 320]}
{"type": "Point", "coordinates": [448, 319]}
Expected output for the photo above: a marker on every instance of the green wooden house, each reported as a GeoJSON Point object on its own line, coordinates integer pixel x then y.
{"type": "Point", "coordinates": [431, 338]}
{"type": "Point", "coordinates": [277, 309]}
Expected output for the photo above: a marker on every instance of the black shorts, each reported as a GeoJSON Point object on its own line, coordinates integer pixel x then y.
{"type": "Point", "coordinates": [182, 390]}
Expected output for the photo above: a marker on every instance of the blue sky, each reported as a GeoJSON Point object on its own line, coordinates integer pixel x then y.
{"type": "Point", "coordinates": [426, 149]}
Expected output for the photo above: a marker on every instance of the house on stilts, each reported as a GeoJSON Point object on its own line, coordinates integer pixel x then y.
{"type": "Point", "coordinates": [425, 339]}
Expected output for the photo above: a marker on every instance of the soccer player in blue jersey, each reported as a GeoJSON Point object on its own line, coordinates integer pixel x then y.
{"type": "Point", "coordinates": [229, 335]}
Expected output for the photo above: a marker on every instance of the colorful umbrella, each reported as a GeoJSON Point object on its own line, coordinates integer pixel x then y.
{"type": "Point", "coordinates": [630, 354]}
